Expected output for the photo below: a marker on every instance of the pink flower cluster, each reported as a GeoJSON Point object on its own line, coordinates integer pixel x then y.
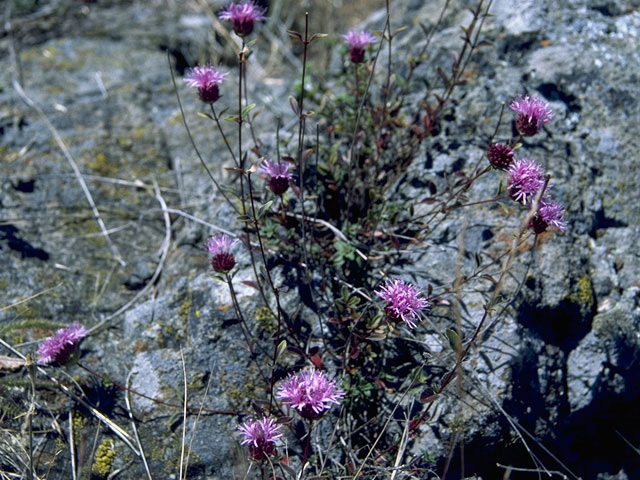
{"type": "Point", "coordinates": [526, 177]}
{"type": "Point", "coordinates": [58, 347]}
{"type": "Point", "coordinates": [261, 436]}
{"type": "Point", "coordinates": [310, 392]}
{"type": "Point", "coordinates": [243, 15]}
{"type": "Point", "coordinates": [206, 80]}
{"type": "Point", "coordinates": [358, 41]}
{"type": "Point", "coordinates": [533, 113]}
{"type": "Point", "coordinates": [403, 301]}
{"type": "Point", "coordinates": [219, 247]}
{"type": "Point", "coordinates": [279, 176]}
{"type": "Point", "coordinates": [550, 214]}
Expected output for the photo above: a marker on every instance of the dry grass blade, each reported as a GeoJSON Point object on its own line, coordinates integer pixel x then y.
{"type": "Point", "coordinates": [402, 447]}
{"type": "Point", "coordinates": [127, 400]}
{"type": "Point", "coordinates": [19, 302]}
{"type": "Point", "coordinates": [389, 418]}
{"type": "Point", "coordinates": [184, 418]}
{"type": "Point", "coordinates": [72, 447]}
{"type": "Point", "coordinates": [195, 423]}
{"type": "Point", "coordinates": [519, 430]}
{"type": "Point", "coordinates": [114, 427]}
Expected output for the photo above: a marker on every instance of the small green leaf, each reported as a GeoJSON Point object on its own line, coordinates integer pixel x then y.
{"type": "Point", "coordinates": [454, 339]}
{"type": "Point", "coordinates": [353, 302]}
{"type": "Point", "coordinates": [294, 105]}
{"type": "Point", "coordinates": [264, 209]}
{"type": "Point", "coordinates": [247, 109]}
{"type": "Point", "coordinates": [282, 347]}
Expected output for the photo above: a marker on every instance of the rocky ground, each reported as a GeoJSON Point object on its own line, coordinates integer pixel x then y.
{"type": "Point", "coordinates": [555, 377]}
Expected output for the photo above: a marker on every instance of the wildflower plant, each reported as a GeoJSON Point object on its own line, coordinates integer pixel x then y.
{"type": "Point", "coordinates": [330, 255]}
{"type": "Point", "coordinates": [260, 436]}
{"type": "Point", "coordinates": [357, 42]}
{"type": "Point", "coordinates": [219, 246]}
{"type": "Point", "coordinates": [337, 224]}
{"type": "Point", "coordinates": [242, 16]}
{"type": "Point", "coordinates": [59, 347]}
{"type": "Point", "coordinates": [404, 301]}
{"type": "Point", "coordinates": [526, 178]}
{"type": "Point", "coordinates": [310, 392]}
{"type": "Point", "coordinates": [207, 80]}
{"type": "Point", "coordinates": [533, 113]}
{"type": "Point", "coordinates": [278, 176]}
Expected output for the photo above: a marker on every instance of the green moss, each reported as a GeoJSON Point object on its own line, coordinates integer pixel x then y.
{"type": "Point", "coordinates": [583, 296]}
{"type": "Point", "coordinates": [105, 456]}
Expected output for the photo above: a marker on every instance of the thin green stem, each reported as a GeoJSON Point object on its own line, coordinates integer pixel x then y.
{"type": "Point", "coordinates": [224, 137]}
{"type": "Point", "coordinates": [276, 293]}
{"type": "Point", "coordinates": [193, 143]}
{"type": "Point", "coordinates": [301, 123]}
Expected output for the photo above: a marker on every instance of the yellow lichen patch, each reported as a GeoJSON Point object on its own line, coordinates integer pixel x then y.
{"type": "Point", "coordinates": [584, 294]}
{"type": "Point", "coordinates": [105, 456]}
{"type": "Point", "coordinates": [101, 165]}
{"type": "Point", "coordinates": [265, 319]}
{"type": "Point", "coordinates": [77, 422]}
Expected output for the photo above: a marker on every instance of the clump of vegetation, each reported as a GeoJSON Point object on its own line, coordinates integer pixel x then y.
{"type": "Point", "coordinates": [322, 209]}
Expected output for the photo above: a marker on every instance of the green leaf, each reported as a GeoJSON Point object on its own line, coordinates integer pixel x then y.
{"type": "Point", "coordinates": [294, 105]}
{"type": "Point", "coordinates": [281, 349]}
{"type": "Point", "coordinates": [264, 209]}
{"type": "Point", "coordinates": [504, 208]}
{"type": "Point", "coordinates": [353, 302]}
{"type": "Point", "coordinates": [247, 109]}
{"type": "Point", "coordinates": [454, 339]}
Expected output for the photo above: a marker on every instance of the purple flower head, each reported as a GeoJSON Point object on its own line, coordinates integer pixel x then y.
{"type": "Point", "coordinates": [242, 15]}
{"type": "Point", "coordinates": [500, 156]}
{"type": "Point", "coordinates": [533, 113]}
{"type": "Point", "coordinates": [206, 80]}
{"type": "Point", "coordinates": [58, 347]}
{"type": "Point", "coordinates": [260, 435]}
{"type": "Point", "coordinates": [357, 43]}
{"type": "Point", "coordinates": [550, 214]}
{"type": "Point", "coordinates": [526, 177]}
{"type": "Point", "coordinates": [222, 259]}
{"type": "Point", "coordinates": [310, 392]}
{"type": "Point", "coordinates": [279, 176]}
{"type": "Point", "coordinates": [403, 301]}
